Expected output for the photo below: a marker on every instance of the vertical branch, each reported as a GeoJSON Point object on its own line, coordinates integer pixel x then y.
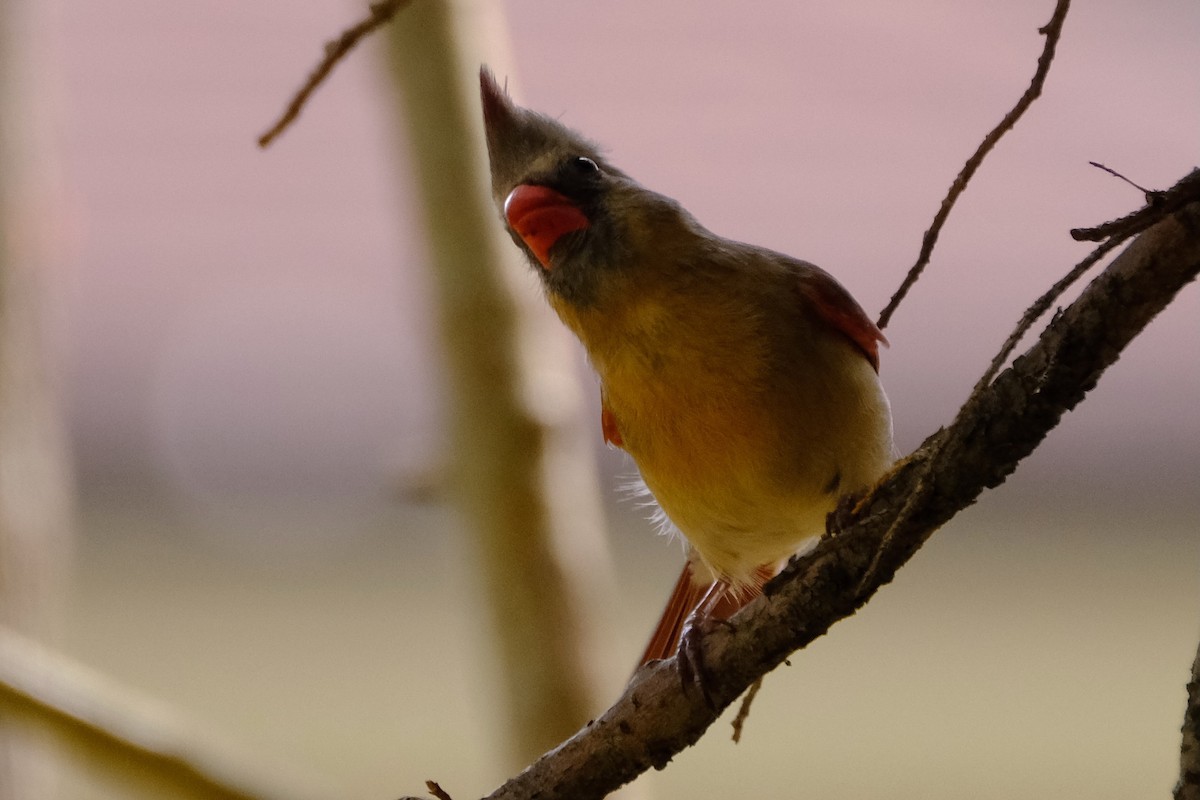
{"type": "Point", "coordinates": [35, 489]}
{"type": "Point", "coordinates": [522, 464]}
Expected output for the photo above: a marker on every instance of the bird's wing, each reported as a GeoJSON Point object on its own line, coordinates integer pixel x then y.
{"type": "Point", "coordinates": [838, 307]}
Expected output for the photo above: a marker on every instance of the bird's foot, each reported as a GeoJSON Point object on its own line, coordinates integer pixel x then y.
{"type": "Point", "coordinates": [845, 513]}
{"type": "Point", "coordinates": [693, 671]}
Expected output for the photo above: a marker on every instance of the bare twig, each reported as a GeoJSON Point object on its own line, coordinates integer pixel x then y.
{"type": "Point", "coordinates": [1149, 193]}
{"type": "Point", "coordinates": [1040, 306]}
{"type": "Point", "coordinates": [739, 721]}
{"type": "Point", "coordinates": [1189, 186]}
{"type": "Point", "coordinates": [1158, 203]}
{"type": "Point", "coordinates": [335, 51]}
{"type": "Point", "coordinates": [1188, 787]}
{"type": "Point", "coordinates": [1052, 31]}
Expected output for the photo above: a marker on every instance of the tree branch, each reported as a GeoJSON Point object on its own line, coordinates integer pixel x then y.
{"type": "Point", "coordinates": [122, 736]}
{"type": "Point", "coordinates": [1157, 204]}
{"type": "Point", "coordinates": [656, 718]}
{"type": "Point", "coordinates": [1188, 787]}
{"type": "Point", "coordinates": [335, 51]}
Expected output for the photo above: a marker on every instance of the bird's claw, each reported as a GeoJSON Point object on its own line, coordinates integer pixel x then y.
{"type": "Point", "coordinates": [847, 510]}
{"type": "Point", "coordinates": [693, 671]}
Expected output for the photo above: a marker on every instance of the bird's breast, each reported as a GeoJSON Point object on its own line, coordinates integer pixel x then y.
{"type": "Point", "coordinates": [685, 391]}
{"type": "Point", "coordinates": [743, 429]}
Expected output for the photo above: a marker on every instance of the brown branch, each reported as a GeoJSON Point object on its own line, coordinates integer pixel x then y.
{"type": "Point", "coordinates": [1040, 306]}
{"type": "Point", "coordinates": [656, 718]}
{"type": "Point", "coordinates": [1052, 31]}
{"type": "Point", "coordinates": [1188, 787]}
{"type": "Point", "coordinates": [1031, 315]}
{"type": "Point", "coordinates": [1186, 190]}
{"type": "Point", "coordinates": [739, 722]}
{"type": "Point", "coordinates": [335, 51]}
{"type": "Point", "coordinates": [1157, 204]}
{"type": "Point", "coordinates": [121, 735]}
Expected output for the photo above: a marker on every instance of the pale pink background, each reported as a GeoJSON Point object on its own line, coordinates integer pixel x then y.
{"type": "Point", "coordinates": [257, 320]}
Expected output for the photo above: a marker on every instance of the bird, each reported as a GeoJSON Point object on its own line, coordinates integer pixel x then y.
{"type": "Point", "coordinates": [743, 383]}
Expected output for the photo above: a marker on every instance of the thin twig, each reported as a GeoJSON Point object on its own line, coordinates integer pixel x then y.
{"type": "Point", "coordinates": [1190, 187]}
{"type": "Point", "coordinates": [1040, 306]}
{"type": "Point", "coordinates": [1147, 192]}
{"type": "Point", "coordinates": [1158, 204]}
{"type": "Point", "coordinates": [744, 711]}
{"type": "Point", "coordinates": [1052, 31]}
{"type": "Point", "coordinates": [335, 51]}
{"type": "Point", "coordinates": [437, 791]}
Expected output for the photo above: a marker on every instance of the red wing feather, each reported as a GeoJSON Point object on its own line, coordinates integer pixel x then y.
{"type": "Point", "coordinates": [838, 307]}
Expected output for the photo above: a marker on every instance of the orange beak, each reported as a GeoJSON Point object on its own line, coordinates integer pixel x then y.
{"type": "Point", "coordinates": [540, 215]}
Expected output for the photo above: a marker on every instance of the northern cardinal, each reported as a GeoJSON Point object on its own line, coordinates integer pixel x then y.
{"type": "Point", "coordinates": [744, 383]}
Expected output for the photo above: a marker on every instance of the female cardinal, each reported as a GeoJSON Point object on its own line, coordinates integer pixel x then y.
{"type": "Point", "coordinates": [743, 383]}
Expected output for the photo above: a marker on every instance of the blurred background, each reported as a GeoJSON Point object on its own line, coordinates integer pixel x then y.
{"type": "Point", "coordinates": [246, 358]}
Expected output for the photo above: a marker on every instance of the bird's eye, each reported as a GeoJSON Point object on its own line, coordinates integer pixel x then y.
{"type": "Point", "coordinates": [584, 165]}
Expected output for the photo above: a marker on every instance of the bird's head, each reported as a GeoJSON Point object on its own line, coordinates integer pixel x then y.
{"type": "Point", "coordinates": [577, 217]}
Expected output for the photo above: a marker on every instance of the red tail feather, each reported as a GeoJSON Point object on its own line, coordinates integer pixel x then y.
{"type": "Point", "coordinates": [686, 596]}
